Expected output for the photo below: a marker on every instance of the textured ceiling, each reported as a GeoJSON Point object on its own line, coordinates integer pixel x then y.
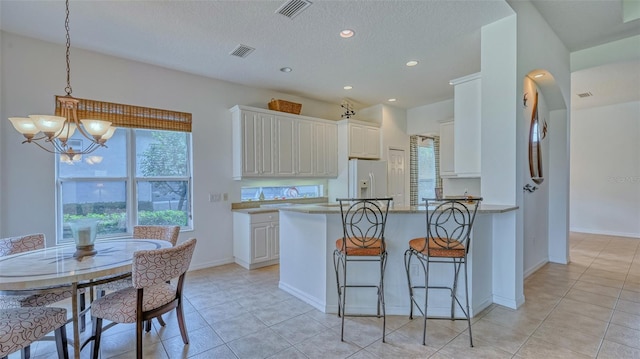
{"type": "Point", "coordinates": [197, 37]}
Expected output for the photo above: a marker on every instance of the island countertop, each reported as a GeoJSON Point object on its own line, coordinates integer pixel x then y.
{"type": "Point", "coordinates": [334, 208]}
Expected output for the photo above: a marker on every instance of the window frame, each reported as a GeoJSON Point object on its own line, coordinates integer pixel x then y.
{"type": "Point", "coordinates": [131, 186]}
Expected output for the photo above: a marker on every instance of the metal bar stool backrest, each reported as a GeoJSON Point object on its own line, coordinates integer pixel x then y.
{"type": "Point", "coordinates": [363, 223]}
{"type": "Point", "coordinates": [449, 223]}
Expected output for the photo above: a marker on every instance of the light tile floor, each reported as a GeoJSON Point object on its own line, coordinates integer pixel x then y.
{"type": "Point", "coordinates": [587, 309]}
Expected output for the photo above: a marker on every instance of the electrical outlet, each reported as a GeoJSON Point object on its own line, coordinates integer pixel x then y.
{"type": "Point", "coordinates": [225, 197]}
{"type": "Point", "coordinates": [215, 197]}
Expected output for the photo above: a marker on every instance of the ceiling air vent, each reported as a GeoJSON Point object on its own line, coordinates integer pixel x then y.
{"type": "Point", "coordinates": [292, 8]}
{"type": "Point", "coordinates": [585, 94]}
{"type": "Point", "coordinates": [242, 51]}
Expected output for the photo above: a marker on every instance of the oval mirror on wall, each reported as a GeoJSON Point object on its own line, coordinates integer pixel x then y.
{"type": "Point", "coordinates": [535, 148]}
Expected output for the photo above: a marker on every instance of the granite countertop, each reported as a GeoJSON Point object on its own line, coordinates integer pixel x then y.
{"type": "Point", "coordinates": [334, 208]}
{"type": "Point", "coordinates": [256, 210]}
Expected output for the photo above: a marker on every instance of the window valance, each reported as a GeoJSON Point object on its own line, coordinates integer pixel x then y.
{"type": "Point", "coordinates": [131, 116]}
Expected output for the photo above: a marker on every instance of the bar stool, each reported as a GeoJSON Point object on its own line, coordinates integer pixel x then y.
{"type": "Point", "coordinates": [449, 223]}
{"type": "Point", "coordinates": [363, 223]}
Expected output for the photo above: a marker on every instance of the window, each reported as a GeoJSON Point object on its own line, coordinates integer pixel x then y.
{"type": "Point", "coordinates": [142, 177]}
{"type": "Point", "coordinates": [426, 170]}
{"type": "Point", "coordinates": [268, 193]}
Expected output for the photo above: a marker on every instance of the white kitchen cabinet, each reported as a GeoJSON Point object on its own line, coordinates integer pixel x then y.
{"type": "Point", "coordinates": [256, 241]}
{"type": "Point", "coordinates": [284, 154]}
{"type": "Point", "coordinates": [325, 150]}
{"type": "Point", "coordinates": [363, 139]}
{"type": "Point", "coordinates": [305, 149]}
{"type": "Point", "coordinates": [466, 128]}
{"type": "Point", "coordinates": [253, 144]}
{"type": "Point", "coordinates": [272, 144]}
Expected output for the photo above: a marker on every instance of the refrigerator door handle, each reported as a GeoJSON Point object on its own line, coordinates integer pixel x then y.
{"type": "Point", "coordinates": [372, 185]}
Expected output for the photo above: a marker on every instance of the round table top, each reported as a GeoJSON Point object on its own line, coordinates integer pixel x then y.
{"type": "Point", "coordinates": [55, 266]}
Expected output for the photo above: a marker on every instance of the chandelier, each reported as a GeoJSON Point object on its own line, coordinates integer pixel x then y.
{"type": "Point", "coordinates": [51, 133]}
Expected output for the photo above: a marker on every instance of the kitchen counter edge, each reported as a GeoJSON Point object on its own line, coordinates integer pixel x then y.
{"type": "Point", "coordinates": [335, 209]}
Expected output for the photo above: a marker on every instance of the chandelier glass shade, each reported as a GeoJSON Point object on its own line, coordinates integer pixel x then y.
{"type": "Point", "coordinates": [51, 133]}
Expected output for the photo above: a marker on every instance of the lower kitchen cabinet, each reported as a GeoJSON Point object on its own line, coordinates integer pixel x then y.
{"type": "Point", "coordinates": [256, 241]}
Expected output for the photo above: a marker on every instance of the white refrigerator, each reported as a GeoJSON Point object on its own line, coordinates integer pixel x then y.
{"type": "Point", "coordinates": [367, 179]}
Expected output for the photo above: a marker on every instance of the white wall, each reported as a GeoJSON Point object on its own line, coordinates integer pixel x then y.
{"type": "Point", "coordinates": [605, 170]}
{"type": "Point", "coordinates": [33, 72]}
{"type": "Point", "coordinates": [426, 119]}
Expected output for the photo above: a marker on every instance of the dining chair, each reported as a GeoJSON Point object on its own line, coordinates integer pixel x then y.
{"type": "Point", "coordinates": [20, 244]}
{"type": "Point", "coordinates": [363, 225]}
{"type": "Point", "coordinates": [20, 327]}
{"type": "Point", "coordinates": [166, 233]}
{"type": "Point", "coordinates": [447, 240]}
{"type": "Point", "coordinates": [150, 295]}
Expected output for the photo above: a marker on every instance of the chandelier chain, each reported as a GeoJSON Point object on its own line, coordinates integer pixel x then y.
{"type": "Point", "coordinates": [68, 89]}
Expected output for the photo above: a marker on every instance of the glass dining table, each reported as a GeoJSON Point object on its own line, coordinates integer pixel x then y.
{"type": "Point", "coordinates": [55, 267]}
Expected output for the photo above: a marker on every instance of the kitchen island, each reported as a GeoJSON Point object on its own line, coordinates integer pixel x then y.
{"type": "Point", "coordinates": [307, 241]}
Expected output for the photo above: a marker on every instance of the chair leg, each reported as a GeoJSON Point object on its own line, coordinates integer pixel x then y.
{"type": "Point", "coordinates": [344, 295]}
{"type": "Point", "coordinates": [97, 333]}
{"type": "Point", "coordinates": [181, 323]}
{"type": "Point", "coordinates": [139, 327]}
{"type": "Point", "coordinates": [162, 323]}
{"type": "Point", "coordinates": [407, 266]}
{"type": "Point", "coordinates": [336, 263]}
{"type": "Point", "coordinates": [147, 326]}
{"type": "Point", "coordinates": [466, 293]}
{"type": "Point", "coordinates": [61, 342]}
{"type": "Point", "coordinates": [25, 353]}
{"type": "Point", "coordinates": [83, 317]}
{"type": "Point", "coordinates": [426, 303]}
{"type": "Point", "coordinates": [383, 265]}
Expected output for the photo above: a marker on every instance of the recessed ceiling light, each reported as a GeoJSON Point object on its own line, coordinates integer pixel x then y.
{"type": "Point", "coordinates": [286, 69]}
{"type": "Point", "coordinates": [392, 100]}
{"type": "Point", "coordinates": [347, 33]}
{"type": "Point", "coordinates": [412, 63]}
{"type": "Point", "coordinates": [539, 75]}
{"type": "Point", "coordinates": [348, 87]}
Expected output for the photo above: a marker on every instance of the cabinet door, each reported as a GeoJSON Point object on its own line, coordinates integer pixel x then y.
{"type": "Point", "coordinates": [285, 147]}
{"type": "Point", "coordinates": [356, 140]}
{"type": "Point", "coordinates": [447, 166]}
{"type": "Point", "coordinates": [371, 142]}
{"type": "Point", "coordinates": [305, 155]}
{"type": "Point", "coordinates": [257, 144]}
{"type": "Point", "coordinates": [325, 140]}
{"type": "Point", "coordinates": [260, 238]}
{"type": "Point", "coordinates": [274, 241]}
{"type": "Point", "coordinates": [250, 134]}
{"type": "Point", "coordinates": [331, 150]}
{"type": "Point", "coordinates": [266, 143]}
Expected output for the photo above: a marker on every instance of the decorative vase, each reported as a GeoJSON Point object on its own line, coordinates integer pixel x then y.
{"type": "Point", "coordinates": [84, 234]}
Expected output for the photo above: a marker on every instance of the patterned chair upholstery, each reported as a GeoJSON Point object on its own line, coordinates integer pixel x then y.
{"type": "Point", "coordinates": [13, 245]}
{"type": "Point", "coordinates": [151, 294]}
{"type": "Point", "coordinates": [19, 327]}
{"type": "Point", "coordinates": [166, 233]}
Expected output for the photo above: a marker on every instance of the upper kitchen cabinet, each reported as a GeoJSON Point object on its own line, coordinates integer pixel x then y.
{"type": "Point", "coordinates": [270, 144]}
{"type": "Point", "coordinates": [363, 138]}
{"type": "Point", "coordinates": [253, 144]}
{"type": "Point", "coordinates": [466, 128]}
